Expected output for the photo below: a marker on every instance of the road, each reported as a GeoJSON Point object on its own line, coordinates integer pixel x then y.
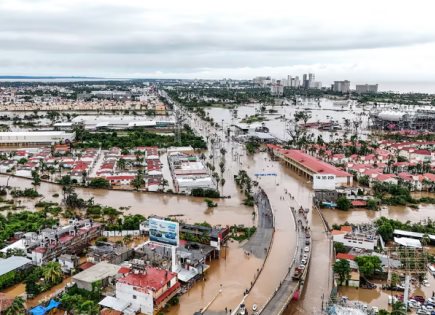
{"type": "Point", "coordinates": [285, 238]}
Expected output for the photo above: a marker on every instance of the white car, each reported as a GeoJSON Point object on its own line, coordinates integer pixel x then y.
{"type": "Point", "coordinates": [305, 257]}
{"type": "Point", "coordinates": [306, 249]}
{"type": "Point", "coordinates": [303, 262]}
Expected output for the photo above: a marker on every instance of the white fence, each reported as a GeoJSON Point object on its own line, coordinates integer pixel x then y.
{"type": "Point", "coordinates": [122, 233]}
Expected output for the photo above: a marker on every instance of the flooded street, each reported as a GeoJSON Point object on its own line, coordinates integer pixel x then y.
{"type": "Point", "coordinates": [235, 270]}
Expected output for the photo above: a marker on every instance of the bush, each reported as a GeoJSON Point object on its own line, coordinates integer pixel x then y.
{"type": "Point", "coordinates": [209, 193]}
{"type": "Point", "coordinates": [99, 183]}
{"type": "Point", "coordinates": [343, 203]}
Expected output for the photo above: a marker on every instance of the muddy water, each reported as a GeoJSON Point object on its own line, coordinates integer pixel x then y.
{"type": "Point", "coordinates": [20, 289]}
{"type": "Point", "coordinates": [401, 213]}
{"type": "Point", "coordinates": [326, 112]}
{"type": "Point", "coordinates": [234, 272]}
{"type": "Point", "coordinates": [192, 209]}
{"type": "Point", "coordinates": [379, 298]}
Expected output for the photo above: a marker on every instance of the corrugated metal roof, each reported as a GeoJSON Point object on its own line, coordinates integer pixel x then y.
{"type": "Point", "coordinates": [12, 263]}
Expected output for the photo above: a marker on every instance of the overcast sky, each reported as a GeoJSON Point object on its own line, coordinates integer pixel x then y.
{"type": "Point", "coordinates": [364, 41]}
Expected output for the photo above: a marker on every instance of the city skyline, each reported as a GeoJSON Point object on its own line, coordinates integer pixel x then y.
{"type": "Point", "coordinates": [190, 40]}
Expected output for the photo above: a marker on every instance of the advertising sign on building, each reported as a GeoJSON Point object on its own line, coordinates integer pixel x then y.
{"type": "Point", "coordinates": [324, 181]}
{"type": "Point", "coordinates": [164, 232]}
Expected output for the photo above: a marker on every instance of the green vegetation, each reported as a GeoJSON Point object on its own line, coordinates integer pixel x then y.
{"type": "Point", "coordinates": [13, 277]}
{"type": "Point", "coordinates": [131, 139]}
{"type": "Point", "coordinates": [343, 203]}
{"type": "Point", "coordinates": [17, 307]}
{"type": "Point", "coordinates": [368, 265]}
{"type": "Point", "coordinates": [194, 97]}
{"type": "Point", "coordinates": [80, 301]}
{"type": "Point", "coordinates": [209, 193]}
{"type": "Point", "coordinates": [243, 181]}
{"type": "Point", "coordinates": [387, 226]}
{"type": "Point", "coordinates": [340, 248]}
{"type": "Point", "coordinates": [253, 118]}
{"type": "Point", "coordinates": [27, 193]}
{"type": "Point", "coordinates": [397, 195]}
{"type": "Point", "coordinates": [342, 269]}
{"type": "Point", "coordinates": [128, 222]}
{"type": "Point", "coordinates": [99, 182]}
{"type": "Point", "coordinates": [210, 203]}
{"type": "Point", "coordinates": [252, 146]}
{"type": "Point", "coordinates": [241, 233]}
{"type": "Point", "coordinates": [24, 221]}
{"type": "Point", "coordinates": [43, 278]}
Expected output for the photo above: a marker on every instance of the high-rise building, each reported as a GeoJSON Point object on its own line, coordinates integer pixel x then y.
{"type": "Point", "coordinates": [366, 88]}
{"type": "Point", "coordinates": [297, 82]}
{"type": "Point", "coordinates": [341, 86]}
{"type": "Point", "coordinates": [277, 88]}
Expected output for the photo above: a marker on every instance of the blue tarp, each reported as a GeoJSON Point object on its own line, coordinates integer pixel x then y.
{"type": "Point", "coordinates": [41, 310]}
{"type": "Point", "coordinates": [51, 305]}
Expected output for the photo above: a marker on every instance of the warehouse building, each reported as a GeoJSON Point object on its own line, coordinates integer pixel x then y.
{"type": "Point", "coordinates": [34, 138]}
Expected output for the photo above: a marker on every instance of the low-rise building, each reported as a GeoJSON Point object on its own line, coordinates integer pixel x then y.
{"type": "Point", "coordinates": [103, 271]}
{"type": "Point", "coordinates": [150, 288]}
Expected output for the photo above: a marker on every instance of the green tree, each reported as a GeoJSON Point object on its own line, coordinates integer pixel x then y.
{"type": "Point", "coordinates": [52, 272]}
{"type": "Point", "coordinates": [36, 178]}
{"type": "Point", "coordinates": [138, 181]}
{"type": "Point", "coordinates": [343, 203]}
{"type": "Point", "coordinates": [398, 308]}
{"type": "Point", "coordinates": [339, 247]}
{"type": "Point", "coordinates": [342, 269]}
{"type": "Point", "coordinates": [99, 182]}
{"type": "Point", "coordinates": [16, 308]}
{"type": "Point", "coordinates": [368, 265]}
{"type": "Point", "coordinates": [121, 164]}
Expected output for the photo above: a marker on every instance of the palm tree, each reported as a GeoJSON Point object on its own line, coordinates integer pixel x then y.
{"type": "Point", "coordinates": [52, 272]}
{"type": "Point", "coordinates": [425, 240]}
{"type": "Point", "coordinates": [16, 308]}
{"type": "Point", "coordinates": [399, 308]}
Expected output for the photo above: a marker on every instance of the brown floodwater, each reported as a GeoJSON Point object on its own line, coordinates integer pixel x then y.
{"type": "Point", "coordinates": [379, 298]}
{"type": "Point", "coordinates": [191, 209]}
{"type": "Point", "coordinates": [237, 271]}
{"type": "Point", "coordinates": [402, 213]}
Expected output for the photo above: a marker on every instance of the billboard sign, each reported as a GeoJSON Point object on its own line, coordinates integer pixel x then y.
{"type": "Point", "coordinates": [164, 232]}
{"type": "Point", "coordinates": [324, 181]}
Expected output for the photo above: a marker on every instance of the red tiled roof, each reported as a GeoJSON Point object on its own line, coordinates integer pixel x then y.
{"type": "Point", "coordinates": [430, 176]}
{"type": "Point", "coordinates": [167, 293]}
{"type": "Point", "coordinates": [124, 270]}
{"type": "Point", "coordinates": [154, 278]}
{"type": "Point", "coordinates": [86, 265]}
{"type": "Point", "coordinates": [422, 152]}
{"type": "Point", "coordinates": [384, 177]}
{"type": "Point", "coordinates": [359, 203]}
{"type": "Point", "coordinates": [313, 164]}
{"type": "Point", "coordinates": [346, 228]}
{"type": "Point", "coordinates": [345, 256]}
{"type": "Point", "coordinates": [40, 250]}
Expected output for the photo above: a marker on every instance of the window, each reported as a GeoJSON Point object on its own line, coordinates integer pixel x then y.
{"type": "Point", "coordinates": [134, 297]}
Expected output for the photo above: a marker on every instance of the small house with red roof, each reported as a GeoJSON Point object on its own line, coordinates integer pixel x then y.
{"type": "Point", "coordinates": [150, 288]}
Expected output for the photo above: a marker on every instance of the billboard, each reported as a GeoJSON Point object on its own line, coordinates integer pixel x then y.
{"type": "Point", "coordinates": [324, 181]}
{"type": "Point", "coordinates": [164, 232]}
